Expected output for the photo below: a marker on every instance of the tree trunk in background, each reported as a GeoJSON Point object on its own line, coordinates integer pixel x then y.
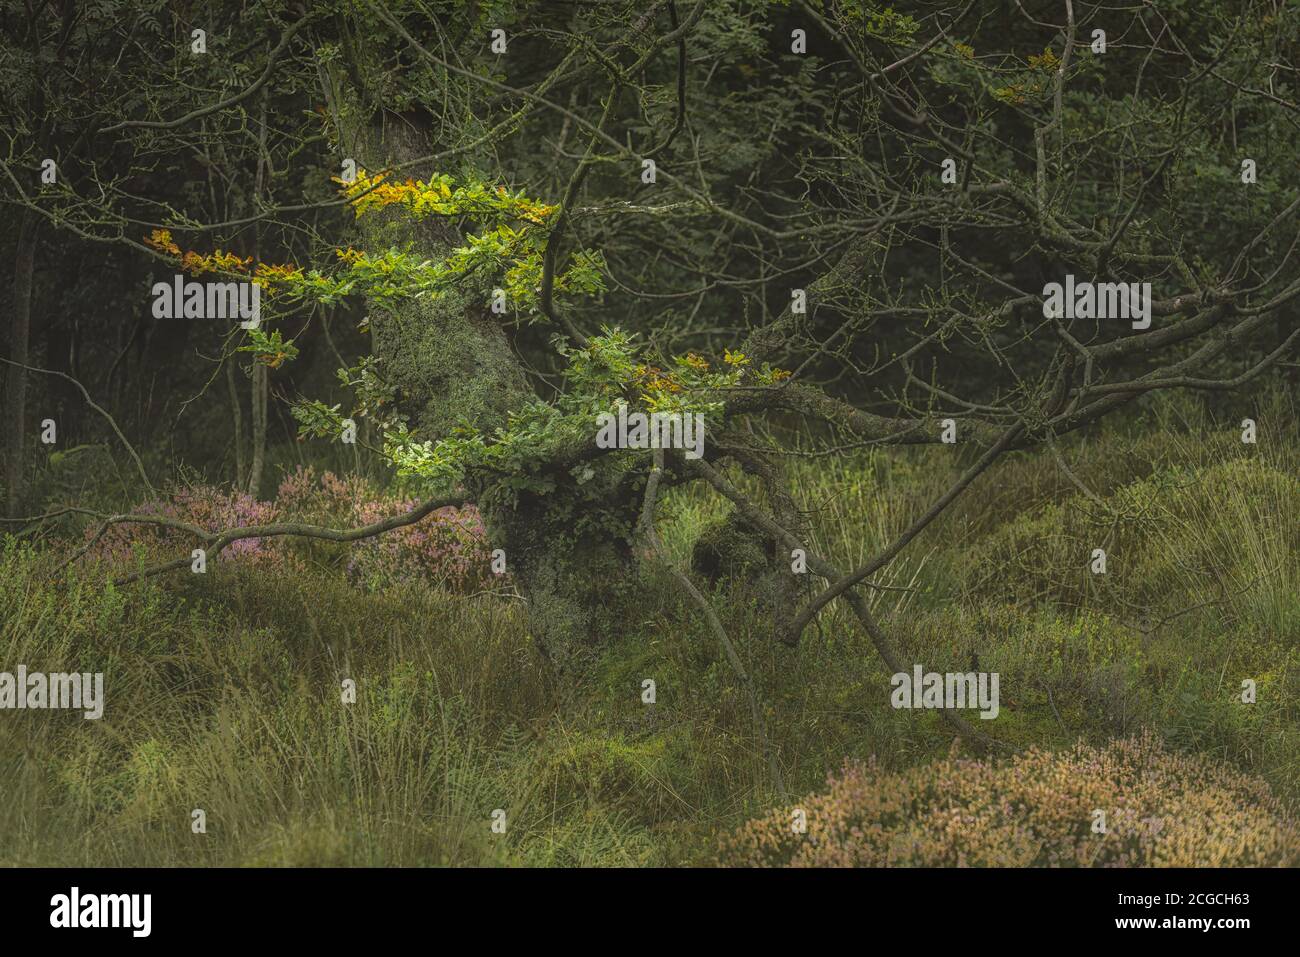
{"type": "Point", "coordinates": [237, 414]}
{"type": "Point", "coordinates": [16, 379]}
{"type": "Point", "coordinates": [261, 374]}
{"type": "Point", "coordinates": [259, 428]}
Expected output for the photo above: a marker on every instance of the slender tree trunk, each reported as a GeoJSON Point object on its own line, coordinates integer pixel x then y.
{"type": "Point", "coordinates": [16, 379]}
{"type": "Point", "coordinates": [259, 429]}
{"type": "Point", "coordinates": [238, 415]}
{"type": "Point", "coordinates": [261, 374]}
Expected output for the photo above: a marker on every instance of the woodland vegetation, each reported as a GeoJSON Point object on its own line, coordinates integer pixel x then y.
{"type": "Point", "coordinates": [990, 314]}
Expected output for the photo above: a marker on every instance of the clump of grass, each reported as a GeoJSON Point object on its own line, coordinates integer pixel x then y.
{"type": "Point", "coordinates": [1182, 537]}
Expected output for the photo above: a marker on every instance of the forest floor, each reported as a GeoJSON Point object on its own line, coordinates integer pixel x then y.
{"type": "Point", "coordinates": [224, 689]}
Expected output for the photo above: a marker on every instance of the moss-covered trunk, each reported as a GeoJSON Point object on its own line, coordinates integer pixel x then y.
{"type": "Point", "coordinates": [448, 360]}
{"type": "Point", "coordinates": [576, 568]}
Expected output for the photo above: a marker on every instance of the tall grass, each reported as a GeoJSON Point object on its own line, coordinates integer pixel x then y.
{"type": "Point", "coordinates": [224, 691]}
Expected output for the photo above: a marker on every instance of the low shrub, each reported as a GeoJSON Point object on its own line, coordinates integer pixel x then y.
{"type": "Point", "coordinates": [1162, 809]}
{"type": "Point", "coordinates": [447, 547]}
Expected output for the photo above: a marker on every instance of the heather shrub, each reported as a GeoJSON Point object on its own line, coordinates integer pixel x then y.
{"type": "Point", "coordinates": [1163, 809]}
{"type": "Point", "coordinates": [209, 508]}
{"type": "Point", "coordinates": [447, 547]}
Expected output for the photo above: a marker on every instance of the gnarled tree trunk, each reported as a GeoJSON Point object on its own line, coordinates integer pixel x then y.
{"type": "Point", "coordinates": [447, 360]}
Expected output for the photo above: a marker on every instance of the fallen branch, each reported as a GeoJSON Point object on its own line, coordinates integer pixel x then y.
{"type": "Point", "coordinates": [216, 541]}
{"type": "Point", "coordinates": [826, 570]}
{"type": "Point", "coordinates": [846, 582]}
